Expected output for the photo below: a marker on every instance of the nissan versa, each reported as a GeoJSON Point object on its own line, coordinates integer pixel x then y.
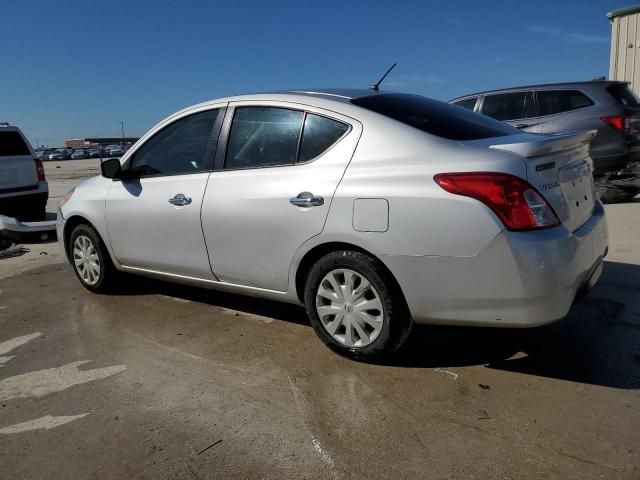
{"type": "Point", "coordinates": [375, 210]}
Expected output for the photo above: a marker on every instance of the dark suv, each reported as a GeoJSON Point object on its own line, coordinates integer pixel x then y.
{"type": "Point", "coordinates": [609, 107]}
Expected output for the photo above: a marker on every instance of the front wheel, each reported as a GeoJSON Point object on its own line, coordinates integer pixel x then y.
{"type": "Point", "coordinates": [355, 305]}
{"type": "Point", "coordinates": [90, 260]}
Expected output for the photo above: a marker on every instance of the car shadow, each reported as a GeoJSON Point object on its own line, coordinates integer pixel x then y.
{"type": "Point", "coordinates": [135, 285]}
{"type": "Point", "coordinates": [598, 343]}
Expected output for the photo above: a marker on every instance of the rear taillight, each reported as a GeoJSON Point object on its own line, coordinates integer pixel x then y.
{"type": "Point", "coordinates": [40, 170]}
{"type": "Point", "coordinates": [620, 123]}
{"type": "Point", "coordinates": [514, 201]}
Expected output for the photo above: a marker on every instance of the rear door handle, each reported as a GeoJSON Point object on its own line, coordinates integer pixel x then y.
{"type": "Point", "coordinates": [306, 199]}
{"type": "Point", "coordinates": [180, 200]}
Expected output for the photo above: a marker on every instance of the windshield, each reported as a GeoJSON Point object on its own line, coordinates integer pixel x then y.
{"type": "Point", "coordinates": [435, 117]}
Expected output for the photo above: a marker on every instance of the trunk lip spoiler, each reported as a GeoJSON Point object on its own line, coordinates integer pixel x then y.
{"type": "Point", "coordinates": [548, 143]}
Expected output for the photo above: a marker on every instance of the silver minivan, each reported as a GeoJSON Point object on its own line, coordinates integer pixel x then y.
{"type": "Point", "coordinates": [374, 210]}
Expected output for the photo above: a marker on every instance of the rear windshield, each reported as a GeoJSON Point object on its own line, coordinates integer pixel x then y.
{"type": "Point", "coordinates": [435, 117]}
{"type": "Point", "coordinates": [623, 94]}
{"type": "Point", "coordinates": [11, 144]}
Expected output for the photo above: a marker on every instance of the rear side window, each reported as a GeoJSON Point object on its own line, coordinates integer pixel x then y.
{"type": "Point", "coordinates": [318, 135]}
{"type": "Point", "coordinates": [435, 117]}
{"type": "Point", "coordinates": [624, 95]}
{"type": "Point", "coordinates": [263, 136]}
{"type": "Point", "coordinates": [505, 106]}
{"type": "Point", "coordinates": [468, 103]}
{"type": "Point", "coordinates": [558, 101]}
{"type": "Point", "coordinates": [12, 144]}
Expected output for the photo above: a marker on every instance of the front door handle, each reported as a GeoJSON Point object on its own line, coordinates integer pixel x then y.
{"type": "Point", "coordinates": [180, 200]}
{"type": "Point", "coordinates": [306, 199]}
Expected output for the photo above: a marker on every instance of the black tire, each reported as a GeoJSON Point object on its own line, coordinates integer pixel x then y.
{"type": "Point", "coordinates": [108, 273]}
{"type": "Point", "coordinates": [397, 321]}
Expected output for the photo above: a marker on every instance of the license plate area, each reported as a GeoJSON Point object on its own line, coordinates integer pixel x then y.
{"type": "Point", "coordinates": [578, 188]}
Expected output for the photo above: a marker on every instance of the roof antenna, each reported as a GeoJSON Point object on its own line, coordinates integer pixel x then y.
{"type": "Point", "coordinates": [376, 86]}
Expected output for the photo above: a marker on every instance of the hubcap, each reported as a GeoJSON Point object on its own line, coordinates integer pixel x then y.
{"type": "Point", "coordinates": [86, 260]}
{"type": "Point", "coordinates": [349, 308]}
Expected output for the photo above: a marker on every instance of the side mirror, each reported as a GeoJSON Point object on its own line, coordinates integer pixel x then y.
{"type": "Point", "coordinates": [111, 168]}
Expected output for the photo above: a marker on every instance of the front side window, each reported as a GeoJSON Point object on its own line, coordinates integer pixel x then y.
{"type": "Point", "coordinates": [505, 106]}
{"type": "Point", "coordinates": [178, 148]}
{"type": "Point", "coordinates": [318, 135]}
{"type": "Point", "coordinates": [468, 103]}
{"type": "Point", "coordinates": [558, 101]}
{"type": "Point", "coordinates": [263, 137]}
{"type": "Point", "coordinates": [12, 144]}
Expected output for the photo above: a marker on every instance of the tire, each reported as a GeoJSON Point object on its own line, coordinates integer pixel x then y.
{"type": "Point", "coordinates": [381, 331]}
{"type": "Point", "coordinates": [85, 239]}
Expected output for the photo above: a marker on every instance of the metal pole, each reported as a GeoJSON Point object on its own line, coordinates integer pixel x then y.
{"type": "Point", "coordinates": [122, 128]}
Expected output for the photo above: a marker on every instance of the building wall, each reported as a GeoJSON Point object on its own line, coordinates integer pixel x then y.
{"type": "Point", "coordinates": [76, 143]}
{"type": "Point", "coordinates": [90, 142]}
{"type": "Point", "coordinates": [625, 50]}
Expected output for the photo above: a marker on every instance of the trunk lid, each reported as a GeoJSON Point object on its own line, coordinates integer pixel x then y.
{"type": "Point", "coordinates": [560, 168]}
{"type": "Point", "coordinates": [17, 165]}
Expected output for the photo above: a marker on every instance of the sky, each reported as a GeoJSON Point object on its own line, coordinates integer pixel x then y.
{"type": "Point", "coordinates": [78, 68]}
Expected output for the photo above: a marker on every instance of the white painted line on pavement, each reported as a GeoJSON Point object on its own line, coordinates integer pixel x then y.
{"type": "Point", "coordinates": [52, 380]}
{"type": "Point", "coordinates": [47, 422]}
{"type": "Point", "coordinates": [7, 346]}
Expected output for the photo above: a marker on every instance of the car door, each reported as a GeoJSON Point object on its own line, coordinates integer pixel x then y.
{"type": "Point", "coordinates": [153, 213]}
{"type": "Point", "coordinates": [514, 108]}
{"type": "Point", "coordinates": [272, 188]}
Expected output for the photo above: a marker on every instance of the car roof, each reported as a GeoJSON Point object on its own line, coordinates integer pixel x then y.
{"type": "Point", "coordinates": [590, 83]}
{"type": "Point", "coordinates": [318, 97]}
{"type": "Point", "coordinates": [6, 126]}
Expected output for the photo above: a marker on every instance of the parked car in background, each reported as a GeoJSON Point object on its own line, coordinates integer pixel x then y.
{"type": "Point", "coordinates": [59, 154]}
{"type": "Point", "coordinates": [115, 150]}
{"type": "Point", "coordinates": [23, 187]}
{"type": "Point", "coordinates": [79, 153]}
{"type": "Point", "coordinates": [93, 153]}
{"type": "Point", "coordinates": [609, 107]}
{"type": "Point", "coordinates": [43, 154]}
{"type": "Point", "coordinates": [374, 210]}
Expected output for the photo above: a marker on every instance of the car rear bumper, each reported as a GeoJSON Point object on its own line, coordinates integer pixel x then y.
{"type": "Point", "coordinates": [610, 163]}
{"type": "Point", "coordinates": [613, 163]}
{"type": "Point", "coordinates": [14, 203]}
{"type": "Point", "coordinates": [522, 279]}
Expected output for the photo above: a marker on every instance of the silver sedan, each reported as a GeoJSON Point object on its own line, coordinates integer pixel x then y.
{"type": "Point", "coordinates": [375, 210]}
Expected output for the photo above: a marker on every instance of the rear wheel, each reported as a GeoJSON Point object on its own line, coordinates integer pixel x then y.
{"type": "Point", "coordinates": [355, 306]}
{"type": "Point", "coordinates": [90, 259]}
